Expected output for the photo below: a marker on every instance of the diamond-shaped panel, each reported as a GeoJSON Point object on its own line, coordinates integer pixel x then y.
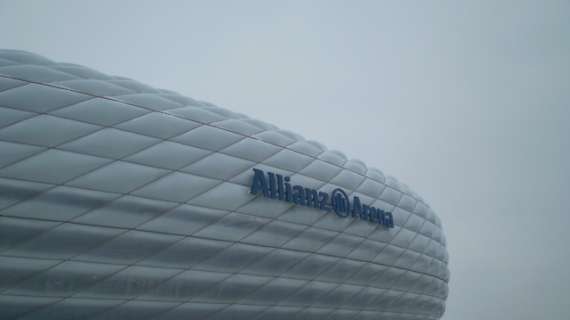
{"type": "Point", "coordinates": [102, 218]}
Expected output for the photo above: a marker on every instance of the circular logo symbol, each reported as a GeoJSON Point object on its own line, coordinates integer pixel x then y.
{"type": "Point", "coordinates": [340, 203]}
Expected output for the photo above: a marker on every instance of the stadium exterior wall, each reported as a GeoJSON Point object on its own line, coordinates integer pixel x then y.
{"type": "Point", "coordinates": [122, 201]}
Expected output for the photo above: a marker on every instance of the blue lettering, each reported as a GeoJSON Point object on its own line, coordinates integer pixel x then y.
{"type": "Point", "coordinates": [323, 201]}
{"type": "Point", "coordinates": [311, 198]}
{"type": "Point", "coordinates": [259, 183]}
{"type": "Point", "coordinates": [276, 186]}
{"type": "Point", "coordinates": [356, 206]}
{"type": "Point", "coordinates": [298, 195]}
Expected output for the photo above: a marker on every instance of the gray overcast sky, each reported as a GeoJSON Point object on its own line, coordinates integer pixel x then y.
{"type": "Point", "coordinates": [468, 102]}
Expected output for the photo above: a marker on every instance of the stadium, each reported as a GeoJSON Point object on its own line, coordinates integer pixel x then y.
{"type": "Point", "coordinates": [123, 201]}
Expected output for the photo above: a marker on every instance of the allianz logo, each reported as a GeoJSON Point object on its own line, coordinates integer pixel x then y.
{"type": "Point", "coordinates": [276, 186]}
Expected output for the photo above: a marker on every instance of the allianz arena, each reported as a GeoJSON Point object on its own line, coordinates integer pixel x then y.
{"type": "Point", "coordinates": [122, 201]}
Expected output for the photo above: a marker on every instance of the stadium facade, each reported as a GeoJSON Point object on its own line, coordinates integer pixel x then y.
{"type": "Point", "coordinates": [122, 201]}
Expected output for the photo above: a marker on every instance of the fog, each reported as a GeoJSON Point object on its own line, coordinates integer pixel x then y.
{"type": "Point", "coordinates": [467, 102]}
